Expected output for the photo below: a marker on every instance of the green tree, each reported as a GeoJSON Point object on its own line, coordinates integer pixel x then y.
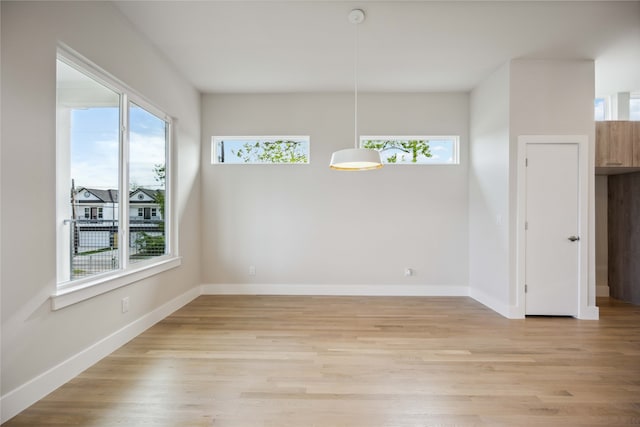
{"type": "Point", "coordinates": [148, 245]}
{"type": "Point", "coordinates": [158, 197]}
{"type": "Point", "coordinates": [154, 245]}
{"type": "Point", "coordinates": [412, 147]}
{"type": "Point", "coordinates": [272, 152]}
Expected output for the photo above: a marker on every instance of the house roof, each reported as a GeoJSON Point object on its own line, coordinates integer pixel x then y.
{"type": "Point", "coordinates": [106, 196]}
{"type": "Point", "coordinates": [149, 192]}
{"type": "Point", "coordinates": [111, 195]}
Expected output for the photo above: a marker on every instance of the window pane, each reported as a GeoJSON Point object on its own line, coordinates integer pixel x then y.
{"type": "Point", "coordinates": [261, 149]}
{"type": "Point", "coordinates": [414, 150]}
{"type": "Point", "coordinates": [634, 108]}
{"type": "Point", "coordinates": [88, 139]}
{"type": "Point", "coordinates": [147, 160]}
{"type": "Point", "coordinates": [599, 109]}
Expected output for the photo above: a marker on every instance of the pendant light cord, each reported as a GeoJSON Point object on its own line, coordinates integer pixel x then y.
{"type": "Point", "coordinates": [355, 80]}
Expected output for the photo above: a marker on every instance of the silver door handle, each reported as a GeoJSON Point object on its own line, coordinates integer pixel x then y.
{"type": "Point", "coordinates": [574, 238]}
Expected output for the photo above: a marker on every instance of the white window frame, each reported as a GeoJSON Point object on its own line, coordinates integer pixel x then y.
{"type": "Point", "coordinates": [216, 139]}
{"type": "Point", "coordinates": [456, 147]}
{"type": "Point", "coordinates": [73, 291]}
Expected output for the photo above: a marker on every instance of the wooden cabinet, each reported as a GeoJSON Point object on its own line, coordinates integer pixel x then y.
{"type": "Point", "coordinates": [615, 144]}
{"type": "Point", "coordinates": [624, 236]}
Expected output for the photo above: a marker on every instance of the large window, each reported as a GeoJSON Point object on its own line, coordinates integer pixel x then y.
{"type": "Point", "coordinates": [420, 150]}
{"type": "Point", "coordinates": [111, 147]}
{"type": "Point", "coordinates": [260, 149]}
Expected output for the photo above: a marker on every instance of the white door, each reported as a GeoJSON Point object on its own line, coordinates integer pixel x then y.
{"type": "Point", "coordinates": [552, 225]}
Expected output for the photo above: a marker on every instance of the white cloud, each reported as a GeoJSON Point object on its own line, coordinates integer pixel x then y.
{"type": "Point", "coordinates": [145, 152]}
{"type": "Point", "coordinates": [95, 165]}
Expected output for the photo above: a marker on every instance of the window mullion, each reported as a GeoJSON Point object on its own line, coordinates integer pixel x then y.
{"type": "Point", "coordinates": [124, 182]}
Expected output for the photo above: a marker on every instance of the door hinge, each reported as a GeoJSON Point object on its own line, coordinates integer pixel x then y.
{"type": "Point", "coordinates": [526, 162]}
{"type": "Point", "coordinates": [526, 225]}
{"type": "Point", "coordinates": [525, 289]}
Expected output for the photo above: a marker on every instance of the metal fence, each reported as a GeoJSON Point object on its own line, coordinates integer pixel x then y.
{"type": "Point", "coordinates": [94, 244]}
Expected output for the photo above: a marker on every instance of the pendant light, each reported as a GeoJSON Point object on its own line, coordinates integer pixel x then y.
{"type": "Point", "coordinates": [356, 159]}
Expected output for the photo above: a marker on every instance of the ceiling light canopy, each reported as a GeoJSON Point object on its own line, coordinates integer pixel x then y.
{"type": "Point", "coordinates": [355, 159]}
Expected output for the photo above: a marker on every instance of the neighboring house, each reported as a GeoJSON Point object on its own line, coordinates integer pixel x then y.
{"type": "Point", "coordinates": [102, 205]}
{"type": "Point", "coordinates": [93, 204]}
{"type": "Point", "coordinates": [143, 204]}
{"type": "Point", "coordinates": [95, 213]}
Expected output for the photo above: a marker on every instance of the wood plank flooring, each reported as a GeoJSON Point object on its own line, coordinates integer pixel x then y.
{"type": "Point", "coordinates": [248, 361]}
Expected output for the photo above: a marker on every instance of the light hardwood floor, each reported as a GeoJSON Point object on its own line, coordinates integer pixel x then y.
{"type": "Point", "coordinates": [359, 362]}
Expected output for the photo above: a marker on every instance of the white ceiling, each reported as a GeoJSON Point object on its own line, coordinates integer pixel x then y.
{"type": "Point", "coordinates": [302, 46]}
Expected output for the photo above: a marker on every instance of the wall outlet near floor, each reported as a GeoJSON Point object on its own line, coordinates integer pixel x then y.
{"type": "Point", "coordinates": [252, 270]}
{"type": "Point", "coordinates": [125, 304]}
{"type": "Point", "coordinates": [408, 272]}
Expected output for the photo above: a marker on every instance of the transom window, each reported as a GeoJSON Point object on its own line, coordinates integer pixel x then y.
{"type": "Point", "coordinates": [422, 150]}
{"type": "Point", "coordinates": [605, 108]}
{"type": "Point", "coordinates": [260, 149]}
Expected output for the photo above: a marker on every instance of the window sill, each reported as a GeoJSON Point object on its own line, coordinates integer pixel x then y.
{"type": "Point", "coordinates": [67, 296]}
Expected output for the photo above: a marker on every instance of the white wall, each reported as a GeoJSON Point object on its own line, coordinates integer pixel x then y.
{"type": "Point", "coordinates": [552, 98]}
{"type": "Point", "coordinates": [309, 225]}
{"type": "Point", "coordinates": [35, 339]}
{"type": "Point", "coordinates": [524, 97]}
{"type": "Point", "coordinates": [489, 213]}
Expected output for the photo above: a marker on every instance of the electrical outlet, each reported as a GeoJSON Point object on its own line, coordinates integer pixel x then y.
{"type": "Point", "coordinates": [408, 272]}
{"type": "Point", "coordinates": [125, 304]}
{"type": "Point", "coordinates": [252, 270]}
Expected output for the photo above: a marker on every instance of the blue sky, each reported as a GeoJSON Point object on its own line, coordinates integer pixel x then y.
{"type": "Point", "coordinates": [95, 146]}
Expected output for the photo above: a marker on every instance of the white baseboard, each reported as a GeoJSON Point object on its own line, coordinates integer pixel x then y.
{"type": "Point", "coordinates": [590, 312]}
{"type": "Point", "coordinates": [27, 394]}
{"type": "Point", "coordinates": [503, 309]}
{"type": "Point", "coordinates": [602, 290]}
{"type": "Point", "coordinates": [337, 290]}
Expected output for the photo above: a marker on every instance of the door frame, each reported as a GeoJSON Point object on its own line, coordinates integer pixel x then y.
{"type": "Point", "coordinates": [582, 141]}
